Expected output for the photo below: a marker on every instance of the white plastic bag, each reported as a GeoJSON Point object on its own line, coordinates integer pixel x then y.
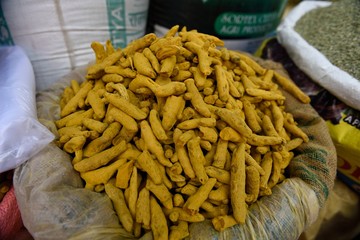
{"type": "Point", "coordinates": [56, 35]}
{"type": "Point", "coordinates": [21, 134]}
{"type": "Point", "coordinates": [338, 82]}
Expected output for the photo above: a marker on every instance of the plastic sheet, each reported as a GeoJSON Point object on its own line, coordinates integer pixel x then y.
{"type": "Point", "coordinates": [22, 136]}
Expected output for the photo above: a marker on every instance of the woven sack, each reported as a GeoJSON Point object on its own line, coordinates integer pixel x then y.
{"type": "Point", "coordinates": [54, 204]}
{"type": "Point", "coordinates": [10, 217]}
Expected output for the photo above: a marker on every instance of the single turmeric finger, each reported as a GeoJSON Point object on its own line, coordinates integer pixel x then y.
{"type": "Point", "coordinates": [100, 159]}
{"type": "Point", "coordinates": [229, 134]}
{"type": "Point", "coordinates": [262, 140]}
{"type": "Point", "coordinates": [152, 58]}
{"type": "Point", "coordinates": [123, 72]}
{"type": "Point", "coordinates": [167, 51]}
{"type": "Point", "coordinates": [183, 215]}
{"type": "Point", "coordinates": [208, 134]}
{"type": "Point", "coordinates": [95, 71]}
{"type": "Point", "coordinates": [74, 144]}
{"type": "Point", "coordinates": [234, 121]}
{"type": "Point", "coordinates": [194, 202]}
{"type": "Point", "coordinates": [251, 117]}
{"type": "Point", "coordinates": [295, 130]}
{"type": "Point", "coordinates": [246, 68]}
{"type": "Point", "coordinates": [123, 174]}
{"type": "Point", "coordinates": [220, 174]}
{"type": "Point", "coordinates": [264, 94]}
{"type": "Point", "coordinates": [183, 155]}
{"type": "Point", "coordinates": [237, 184]}
{"type": "Point", "coordinates": [72, 131]}
{"type": "Point", "coordinates": [77, 119]}
{"type": "Point", "coordinates": [101, 175]}
{"type": "Point", "coordinates": [268, 127]}
{"type": "Point", "coordinates": [133, 192]}
{"type": "Point", "coordinates": [202, 53]}
{"type": "Point", "coordinates": [99, 50]}
{"type": "Point", "coordinates": [199, 77]}
{"type": "Point", "coordinates": [170, 110]}
{"type": "Point", "coordinates": [143, 208]}
{"type": "Point", "coordinates": [221, 193]}
{"type": "Point", "coordinates": [148, 164]}
{"type": "Point", "coordinates": [221, 223]}
{"type": "Point", "coordinates": [96, 103]}
{"type": "Point", "coordinates": [266, 164]}
{"type": "Point", "coordinates": [250, 161]}
{"type": "Point", "coordinates": [156, 126]}
{"type": "Point", "coordinates": [124, 119]}
{"type": "Point", "coordinates": [152, 144]}
{"type": "Point", "coordinates": [222, 83]}
{"type": "Point", "coordinates": [220, 154]}
{"type": "Point", "coordinates": [277, 116]}
{"type": "Point", "coordinates": [102, 142]}
{"type": "Point", "coordinates": [252, 63]}
{"type": "Point", "coordinates": [125, 106]}
{"type": "Point", "coordinates": [66, 96]}
{"type": "Point", "coordinates": [119, 88]}
{"type": "Point", "coordinates": [167, 66]}
{"type": "Point", "coordinates": [169, 89]}
{"type": "Point", "coordinates": [197, 159]}
{"type": "Point", "coordinates": [161, 192]}
{"type": "Point", "coordinates": [197, 122]}
{"type": "Point", "coordinates": [72, 105]}
{"type": "Point", "coordinates": [276, 169]}
{"type": "Point", "coordinates": [196, 99]}
{"type": "Point", "coordinates": [252, 184]}
{"type": "Point", "coordinates": [139, 43]}
{"type": "Point", "coordinates": [143, 65]}
{"type": "Point", "coordinates": [291, 87]}
{"type": "Point", "coordinates": [179, 231]}
{"type": "Point", "coordinates": [94, 125]}
{"type": "Point", "coordinates": [118, 200]}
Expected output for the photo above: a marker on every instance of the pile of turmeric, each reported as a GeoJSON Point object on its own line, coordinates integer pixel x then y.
{"type": "Point", "coordinates": [178, 129]}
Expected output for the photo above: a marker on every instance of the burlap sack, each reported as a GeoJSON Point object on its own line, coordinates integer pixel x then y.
{"type": "Point", "coordinates": [54, 204]}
